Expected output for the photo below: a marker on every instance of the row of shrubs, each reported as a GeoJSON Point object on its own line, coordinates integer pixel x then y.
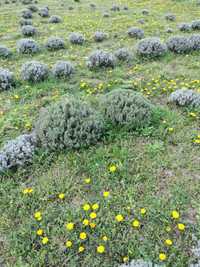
{"type": "Point", "coordinates": [75, 124]}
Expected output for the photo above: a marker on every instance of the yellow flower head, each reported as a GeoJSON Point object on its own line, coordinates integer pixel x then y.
{"type": "Point", "coordinates": [175, 214]}
{"type": "Point", "coordinates": [38, 215]}
{"type": "Point", "coordinates": [86, 222]}
{"type": "Point", "coordinates": [92, 225]}
{"type": "Point", "coordinates": [119, 218]}
{"type": "Point", "coordinates": [93, 215]}
{"type": "Point", "coordinates": [168, 229]}
{"type": "Point", "coordinates": [28, 190]}
{"type": "Point", "coordinates": [112, 168]}
{"type": "Point", "coordinates": [170, 130]}
{"type": "Point", "coordinates": [162, 256]}
{"type": "Point", "coordinates": [136, 224]}
{"type": "Point", "coordinates": [61, 196]}
{"type": "Point", "coordinates": [45, 240]}
{"type": "Point", "coordinates": [95, 206]}
{"type": "Point", "coordinates": [181, 226]}
{"type": "Point", "coordinates": [106, 194]}
{"type": "Point", "coordinates": [70, 226]}
{"type": "Point", "coordinates": [83, 235]}
{"type": "Point", "coordinates": [168, 242]}
{"type": "Point", "coordinates": [68, 244]}
{"type": "Point", "coordinates": [86, 207]}
{"type": "Point", "coordinates": [40, 232]}
{"type": "Point", "coordinates": [105, 238]}
{"type": "Point", "coordinates": [143, 211]}
{"type": "Point", "coordinates": [87, 180]}
{"type": "Point", "coordinates": [81, 249]}
{"type": "Point", "coordinates": [100, 249]}
{"type": "Point", "coordinates": [125, 259]}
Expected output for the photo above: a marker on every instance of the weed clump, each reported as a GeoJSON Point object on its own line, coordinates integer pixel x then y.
{"type": "Point", "coordinates": [151, 47]}
{"type": "Point", "coordinates": [7, 80]}
{"type": "Point", "coordinates": [101, 59]}
{"type": "Point", "coordinates": [34, 71]}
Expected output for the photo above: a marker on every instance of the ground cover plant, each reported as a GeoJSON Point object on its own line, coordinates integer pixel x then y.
{"type": "Point", "coordinates": [99, 133]}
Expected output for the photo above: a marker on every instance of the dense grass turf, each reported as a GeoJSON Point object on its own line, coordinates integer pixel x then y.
{"type": "Point", "coordinates": [157, 168]}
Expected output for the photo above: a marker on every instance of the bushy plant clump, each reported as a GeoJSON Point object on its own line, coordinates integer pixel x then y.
{"type": "Point", "coordinates": [151, 47]}
{"type": "Point", "coordinates": [196, 25]}
{"type": "Point", "coordinates": [27, 46]}
{"type": "Point", "coordinates": [139, 263]}
{"type": "Point", "coordinates": [194, 40]}
{"type": "Point", "coordinates": [126, 108]}
{"type": "Point", "coordinates": [24, 22]}
{"type": "Point", "coordinates": [115, 8]}
{"type": "Point", "coordinates": [100, 36]}
{"type": "Point", "coordinates": [27, 14]}
{"type": "Point", "coordinates": [123, 54]}
{"type": "Point", "coordinates": [34, 71]}
{"type": "Point", "coordinates": [55, 43]}
{"type": "Point", "coordinates": [63, 69]}
{"type": "Point", "coordinates": [55, 19]}
{"type": "Point", "coordinates": [179, 44]}
{"type": "Point", "coordinates": [17, 152]}
{"type": "Point", "coordinates": [29, 30]}
{"type": "Point", "coordinates": [44, 12]}
{"type": "Point", "coordinates": [7, 80]}
{"type": "Point", "coordinates": [69, 124]}
{"type": "Point", "coordinates": [33, 8]}
{"type": "Point", "coordinates": [170, 17]}
{"type": "Point", "coordinates": [136, 33]}
{"type": "Point", "coordinates": [101, 59]}
{"type": "Point", "coordinates": [4, 51]}
{"type": "Point", "coordinates": [76, 38]}
{"type": "Point", "coordinates": [185, 97]}
{"type": "Point", "coordinates": [145, 12]}
{"type": "Point", "coordinates": [184, 27]}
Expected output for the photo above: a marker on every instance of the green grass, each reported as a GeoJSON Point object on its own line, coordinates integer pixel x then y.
{"type": "Point", "coordinates": [156, 169]}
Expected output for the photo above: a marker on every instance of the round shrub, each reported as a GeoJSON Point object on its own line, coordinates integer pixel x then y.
{"type": "Point", "coordinates": [44, 12]}
{"type": "Point", "coordinates": [69, 124]}
{"type": "Point", "coordinates": [27, 14]}
{"type": "Point", "coordinates": [185, 97]}
{"type": "Point", "coordinates": [4, 51]}
{"type": "Point", "coordinates": [55, 19]}
{"type": "Point", "coordinates": [184, 27]}
{"type": "Point", "coordinates": [123, 54]}
{"type": "Point", "coordinates": [24, 22]}
{"type": "Point", "coordinates": [76, 38]}
{"type": "Point", "coordinates": [194, 40]}
{"type": "Point", "coordinates": [101, 59]}
{"type": "Point", "coordinates": [63, 69]}
{"type": "Point", "coordinates": [7, 80]}
{"type": "Point", "coordinates": [179, 44]}
{"type": "Point", "coordinates": [126, 108]}
{"type": "Point", "coordinates": [136, 33]}
{"type": "Point", "coordinates": [106, 15]}
{"type": "Point", "coordinates": [115, 8]}
{"type": "Point", "coordinates": [195, 25]}
{"type": "Point", "coordinates": [34, 71]}
{"type": "Point", "coordinates": [169, 30]}
{"type": "Point", "coordinates": [27, 46]}
{"type": "Point", "coordinates": [17, 152]}
{"type": "Point", "coordinates": [145, 12]}
{"type": "Point", "coordinates": [29, 30]}
{"type": "Point", "coordinates": [33, 8]}
{"type": "Point", "coordinates": [100, 36]}
{"type": "Point", "coordinates": [170, 17]}
{"type": "Point", "coordinates": [55, 43]}
{"type": "Point", "coordinates": [151, 47]}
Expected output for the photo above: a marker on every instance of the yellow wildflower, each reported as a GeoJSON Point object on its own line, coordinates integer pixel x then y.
{"type": "Point", "coordinates": [100, 249]}
{"type": "Point", "coordinates": [70, 226]}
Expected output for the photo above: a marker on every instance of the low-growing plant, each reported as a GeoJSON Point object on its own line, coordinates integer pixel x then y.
{"type": "Point", "coordinates": [76, 38]}
{"type": "Point", "coordinates": [34, 71]}
{"type": "Point", "coordinates": [101, 59]}
{"type": "Point", "coordinates": [179, 44]}
{"type": "Point", "coordinates": [185, 97]}
{"type": "Point", "coordinates": [24, 22]}
{"type": "Point", "coordinates": [63, 69]}
{"type": "Point", "coordinates": [184, 27]}
{"type": "Point", "coordinates": [27, 14]}
{"type": "Point", "coordinates": [27, 46]}
{"type": "Point", "coordinates": [7, 79]}
{"type": "Point", "coordinates": [151, 47]}
{"type": "Point", "coordinates": [55, 43]}
{"type": "Point", "coordinates": [4, 51]}
{"type": "Point", "coordinates": [195, 25]}
{"type": "Point", "coordinates": [44, 12]}
{"type": "Point", "coordinates": [100, 36]}
{"type": "Point", "coordinates": [29, 30]}
{"type": "Point", "coordinates": [123, 54]}
{"type": "Point", "coordinates": [136, 33]}
{"type": "Point", "coordinates": [55, 19]}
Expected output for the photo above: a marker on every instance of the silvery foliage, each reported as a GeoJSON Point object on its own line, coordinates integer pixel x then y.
{"type": "Point", "coordinates": [100, 36]}
{"type": "Point", "coordinates": [69, 124]}
{"type": "Point", "coordinates": [33, 8]}
{"type": "Point", "coordinates": [196, 25]}
{"type": "Point", "coordinates": [115, 8]}
{"type": "Point", "coordinates": [185, 97]}
{"type": "Point", "coordinates": [184, 27]}
{"type": "Point", "coordinates": [101, 59]}
{"type": "Point", "coordinates": [27, 14]}
{"type": "Point", "coordinates": [27, 46]}
{"type": "Point", "coordinates": [34, 71]}
{"type": "Point", "coordinates": [55, 43]}
{"type": "Point", "coordinates": [44, 12]}
{"type": "Point", "coordinates": [151, 47]}
{"type": "Point", "coordinates": [106, 15]}
{"type": "Point", "coordinates": [195, 41]}
{"type": "Point", "coordinates": [24, 22]}
{"type": "Point", "coordinates": [136, 33]}
{"type": "Point", "coordinates": [55, 19]}
{"type": "Point", "coordinates": [7, 80]}
{"type": "Point", "coordinates": [179, 44]}
{"type": "Point", "coordinates": [170, 17]}
{"type": "Point", "coordinates": [4, 51]}
{"type": "Point", "coordinates": [76, 38]}
{"type": "Point", "coordinates": [29, 30]}
{"type": "Point", "coordinates": [140, 263]}
{"type": "Point", "coordinates": [17, 152]}
{"type": "Point", "coordinates": [196, 252]}
{"type": "Point", "coordinates": [169, 30]}
{"type": "Point", "coordinates": [123, 54]}
{"type": "Point", "coordinates": [63, 69]}
{"type": "Point", "coordinates": [145, 12]}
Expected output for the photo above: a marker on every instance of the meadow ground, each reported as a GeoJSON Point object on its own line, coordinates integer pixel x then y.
{"type": "Point", "coordinates": [157, 168]}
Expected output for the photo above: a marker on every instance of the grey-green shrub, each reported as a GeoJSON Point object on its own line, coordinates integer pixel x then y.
{"type": "Point", "coordinates": [76, 38]}
{"type": "Point", "coordinates": [185, 97]}
{"type": "Point", "coordinates": [100, 36]}
{"type": "Point", "coordinates": [63, 69]}
{"type": "Point", "coordinates": [7, 80]}
{"type": "Point", "coordinates": [27, 46]}
{"type": "Point", "coordinates": [69, 124]}
{"type": "Point", "coordinates": [101, 59]}
{"type": "Point", "coordinates": [24, 22]}
{"type": "Point", "coordinates": [126, 108]}
{"type": "Point", "coordinates": [44, 12]}
{"type": "Point", "coordinates": [4, 51]}
{"type": "Point", "coordinates": [34, 71]}
{"type": "Point", "coordinates": [123, 54]}
{"type": "Point", "coordinates": [194, 40]}
{"type": "Point", "coordinates": [55, 43]}
{"type": "Point", "coordinates": [170, 17]}
{"type": "Point", "coordinates": [29, 30]}
{"type": "Point", "coordinates": [27, 14]}
{"type": "Point", "coordinates": [151, 47]}
{"type": "Point", "coordinates": [184, 27]}
{"type": "Point", "coordinates": [196, 25]}
{"type": "Point", "coordinates": [136, 33]}
{"type": "Point", "coordinates": [33, 8]}
{"type": "Point", "coordinates": [55, 19]}
{"type": "Point", "coordinates": [179, 44]}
